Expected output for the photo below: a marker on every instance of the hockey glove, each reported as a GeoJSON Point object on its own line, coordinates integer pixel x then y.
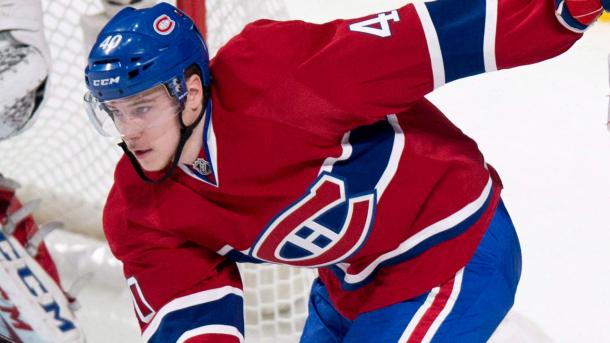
{"type": "Point", "coordinates": [578, 15]}
{"type": "Point", "coordinates": [24, 65]}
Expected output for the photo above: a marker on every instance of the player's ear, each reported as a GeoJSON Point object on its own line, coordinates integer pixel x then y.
{"type": "Point", "coordinates": [194, 99]}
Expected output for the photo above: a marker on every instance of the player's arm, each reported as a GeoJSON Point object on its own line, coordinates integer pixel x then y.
{"type": "Point", "coordinates": [381, 63]}
{"type": "Point", "coordinates": [181, 292]}
{"type": "Point", "coordinates": [186, 294]}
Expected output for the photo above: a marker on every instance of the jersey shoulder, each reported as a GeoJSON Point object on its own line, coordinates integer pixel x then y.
{"type": "Point", "coordinates": [263, 56]}
{"type": "Point", "coordinates": [287, 42]}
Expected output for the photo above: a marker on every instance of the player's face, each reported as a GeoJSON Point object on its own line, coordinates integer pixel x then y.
{"type": "Point", "coordinates": [149, 124]}
{"type": "Point", "coordinates": [154, 146]}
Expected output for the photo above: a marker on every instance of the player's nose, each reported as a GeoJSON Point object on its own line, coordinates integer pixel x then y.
{"type": "Point", "coordinates": [132, 134]}
{"type": "Point", "coordinates": [131, 129]}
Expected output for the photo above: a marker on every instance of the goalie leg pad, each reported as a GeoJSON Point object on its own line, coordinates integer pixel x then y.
{"type": "Point", "coordinates": [43, 312]}
{"type": "Point", "coordinates": [33, 305]}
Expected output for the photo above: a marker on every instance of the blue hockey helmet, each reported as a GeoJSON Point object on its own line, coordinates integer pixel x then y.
{"type": "Point", "coordinates": [140, 49]}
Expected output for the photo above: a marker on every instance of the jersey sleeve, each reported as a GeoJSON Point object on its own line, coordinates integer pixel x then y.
{"type": "Point", "coordinates": [181, 292]}
{"type": "Point", "coordinates": [381, 64]}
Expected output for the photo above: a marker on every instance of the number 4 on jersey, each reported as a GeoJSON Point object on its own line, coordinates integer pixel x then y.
{"type": "Point", "coordinates": [369, 25]}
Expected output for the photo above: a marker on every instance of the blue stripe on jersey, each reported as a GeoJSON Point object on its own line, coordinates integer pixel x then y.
{"type": "Point", "coordinates": [418, 249]}
{"type": "Point", "coordinates": [371, 151]}
{"type": "Point", "coordinates": [567, 17]}
{"type": "Point", "coordinates": [461, 42]}
{"type": "Point", "coordinates": [240, 257]}
{"type": "Point", "coordinates": [212, 178]}
{"type": "Point", "coordinates": [224, 311]}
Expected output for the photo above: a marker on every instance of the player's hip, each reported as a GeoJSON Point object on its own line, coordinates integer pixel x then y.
{"type": "Point", "coordinates": [465, 308]}
{"type": "Point", "coordinates": [432, 265]}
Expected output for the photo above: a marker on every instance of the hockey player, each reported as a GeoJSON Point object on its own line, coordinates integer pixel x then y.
{"type": "Point", "coordinates": [313, 146]}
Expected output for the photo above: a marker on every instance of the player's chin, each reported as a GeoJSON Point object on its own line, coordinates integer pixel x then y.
{"type": "Point", "coordinates": [152, 167]}
{"type": "Point", "coordinates": [150, 163]}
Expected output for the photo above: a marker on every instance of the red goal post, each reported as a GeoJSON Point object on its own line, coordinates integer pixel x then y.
{"type": "Point", "coordinates": [196, 10]}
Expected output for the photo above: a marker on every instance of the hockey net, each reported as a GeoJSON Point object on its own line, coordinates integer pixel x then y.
{"type": "Point", "coordinates": [64, 162]}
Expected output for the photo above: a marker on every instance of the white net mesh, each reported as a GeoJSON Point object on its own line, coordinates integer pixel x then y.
{"type": "Point", "coordinates": [63, 161]}
{"type": "Point", "coordinates": [60, 159]}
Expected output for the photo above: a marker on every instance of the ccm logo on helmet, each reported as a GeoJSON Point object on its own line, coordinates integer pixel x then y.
{"type": "Point", "coordinates": [106, 82]}
{"type": "Point", "coordinates": [163, 25]}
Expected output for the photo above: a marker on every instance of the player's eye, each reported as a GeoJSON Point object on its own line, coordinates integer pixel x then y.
{"type": "Point", "coordinates": [141, 110]}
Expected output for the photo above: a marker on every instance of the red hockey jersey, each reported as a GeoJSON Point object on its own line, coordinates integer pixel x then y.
{"type": "Point", "coordinates": [323, 152]}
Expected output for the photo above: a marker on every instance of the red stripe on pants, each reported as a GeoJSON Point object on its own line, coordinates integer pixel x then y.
{"type": "Point", "coordinates": [439, 303]}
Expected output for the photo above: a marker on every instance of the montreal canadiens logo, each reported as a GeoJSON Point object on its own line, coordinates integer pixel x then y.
{"type": "Point", "coordinates": [324, 227]}
{"type": "Point", "coordinates": [164, 25]}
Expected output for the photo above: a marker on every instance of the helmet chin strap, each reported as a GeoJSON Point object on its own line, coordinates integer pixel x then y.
{"type": "Point", "coordinates": [185, 133]}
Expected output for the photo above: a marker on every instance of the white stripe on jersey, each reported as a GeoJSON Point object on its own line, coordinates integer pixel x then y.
{"type": "Point", "coordinates": [397, 148]}
{"type": "Point", "coordinates": [388, 174]}
{"type": "Point", "coordinates": [489, 38]}
{"type": "Point", "coordinates": [434, 46]}
{"type": "Point", "coordinates": [188, 301]}
{"type": "Point", "coordinates": [346, 152]}
{"type": "Point", "coordinates": [213, 148]}
{"type": "Point", "coordinates": [438, 227]}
